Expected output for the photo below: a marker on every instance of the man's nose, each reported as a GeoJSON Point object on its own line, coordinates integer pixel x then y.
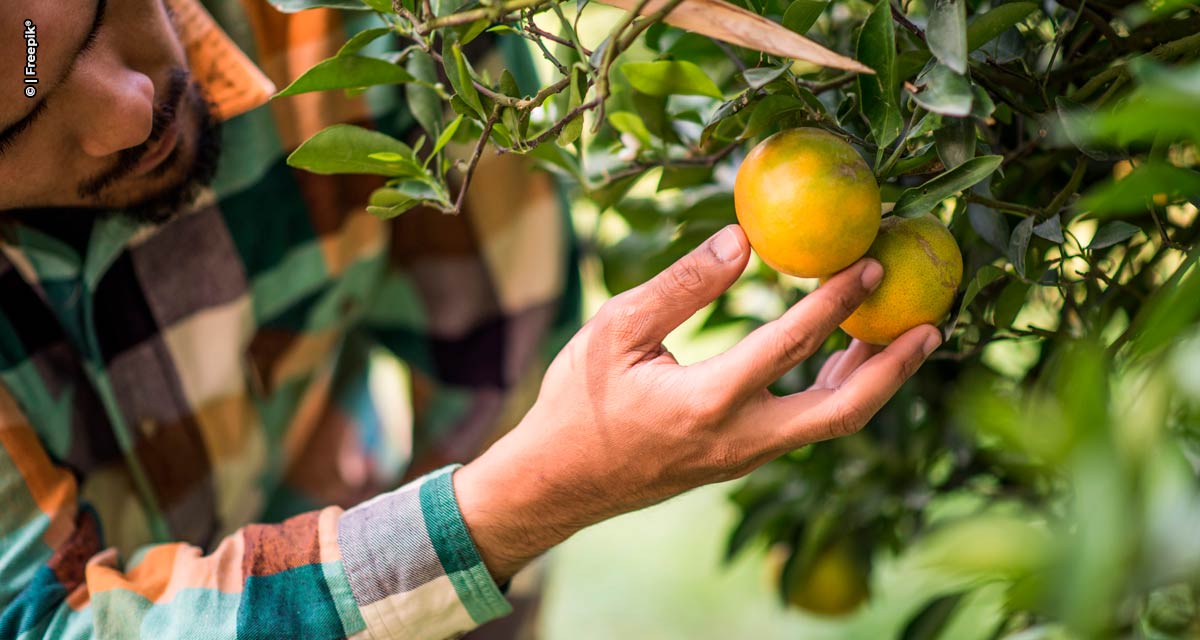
{"type": "Point", "coordinates": [119, 113]}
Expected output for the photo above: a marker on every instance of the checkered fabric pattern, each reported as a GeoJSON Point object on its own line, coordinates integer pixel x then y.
{"type": "Point", "coordinates": [176, 385]}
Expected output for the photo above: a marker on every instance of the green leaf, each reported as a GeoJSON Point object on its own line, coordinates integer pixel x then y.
{"type": "Point", "coordinates": [423, 101]}
{"type": "Point", "coordinates": [653, 112]}
{"type": "Point", "coordinates": [947, 33]}
{"type": "Point", "coordinates": [683, 176]}
{"type": "Point", "coordinates": [802, 14]}
{"type": "Point", "coordinates": [987, 26]}
{"type": "Point", "coordinates": [945, 92]}
{"type": "Point", "coordinates": [468, 32]}
{"type": "Point", "coordinates": [770, 111]}
{"type": "Point", "coordinates": [915, 201]}
{"type": "Point", "coordinates": [986, 275]}
{"type": "Point", "coordinates": [347, 72]}
{"type": "Point", "coordinates": [1018, 244]}
{"type": "Point", "coordinates": [578, 87]}
{"type": "Point", "coordinates": [508, 85]}
{"type": "Point", "coordinates": [757, 77]}
{"type": "Point", "coordinates": [1050, 229]}
{"type": "Point", "coordinates": [1136, 191]}
{"type": "Point", "coordinates": [1170, 310]}
{"type": "Point", "coordinates": [395, 199]}
{"type": "Point", "coordinates": [669, 77]}
{"type": "Point", "coordinates": [932, 619]}
{"type": "Point", "coordinates": [983, 29]}
{"type": "Point", "coordinates": [876, 48]}
{"type": "Point", "coordinates": [447, 135]}
{"type": "Point", "coordinates": [1112, 233]}
{"type": "Point", "coordinates": [983, 106]}
{"type": "Point", "coordinates": [1009, 303]}
{"type": "Point", "coordinates": [459, 74]}
{"type": "Point", "coordinates": [555, 158]}
{"type": "Point", "coordinates": [362, 39]}
{"type": "Point", "coordinates": [990, 225]}
{"type": "Point", "coordinates": [955, 141]}
{"type": "Point", "coordinates": [629, 122]}
{"type": "Point", "coordinates": [345, 148]}
{"type": "Point", "coordinates": [1076, 122]}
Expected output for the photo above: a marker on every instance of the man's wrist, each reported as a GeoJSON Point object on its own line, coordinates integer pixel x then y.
{"type": "Point", "coordinates": [511, 522]}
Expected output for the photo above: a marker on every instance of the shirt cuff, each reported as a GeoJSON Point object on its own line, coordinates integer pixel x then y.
{"type": "Point", "coordinates": [413, 567]}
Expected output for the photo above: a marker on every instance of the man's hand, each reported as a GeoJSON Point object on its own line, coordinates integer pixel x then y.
{"type": "Point", "coordinates": [620, 425]}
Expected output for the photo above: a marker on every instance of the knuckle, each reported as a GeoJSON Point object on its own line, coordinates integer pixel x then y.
{"type": "Point", "coordinates": [909, 366]}
{"type": "Point", "coordinates": [798, 346]}
{"type": "Point", "coordinates": [844, 421]}
{"type": "Point", "coordinates": [619, 316]}
{"type": "Point", "coordinates": [725, 462]}
{"type": "Point", "coordinates": [683, 277]}
{"type": "Point", "coordinates": [842, 302]}
{"type": "Point", "coordinates": [710, 408]}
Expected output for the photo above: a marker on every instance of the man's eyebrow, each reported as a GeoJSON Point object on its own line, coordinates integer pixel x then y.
{"type": "Point", "coordinates": [15, 129]}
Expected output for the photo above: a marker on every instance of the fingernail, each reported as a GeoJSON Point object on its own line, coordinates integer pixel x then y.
{"type": "Point", "coordinates": [932, 341]}
{"type": "Point", "coordinates": [871, 275]}
{"type": "Point", "coordinates": [725, 245]}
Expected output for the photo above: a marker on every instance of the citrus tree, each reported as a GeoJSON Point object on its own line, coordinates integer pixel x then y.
{"type": "Point", "coordinates": [1050, 449]}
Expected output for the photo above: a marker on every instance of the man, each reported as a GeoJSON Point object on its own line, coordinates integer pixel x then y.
{"type": "Point", "coordinates": [182, 360]}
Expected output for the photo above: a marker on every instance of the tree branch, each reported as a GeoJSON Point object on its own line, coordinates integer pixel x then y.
{"type": "Point", "coordinates": [478, 151]}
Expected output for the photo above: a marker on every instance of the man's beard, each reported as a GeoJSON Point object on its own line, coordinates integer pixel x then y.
{"type": "Point", "coordinates": [202, 166]}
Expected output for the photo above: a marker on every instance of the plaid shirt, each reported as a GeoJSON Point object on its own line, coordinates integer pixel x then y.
{"type": "Point", "coordinates": [237, 365]}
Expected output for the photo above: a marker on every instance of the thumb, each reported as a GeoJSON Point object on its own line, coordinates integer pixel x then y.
{"type": "Point", "coordinates": [662, 303]}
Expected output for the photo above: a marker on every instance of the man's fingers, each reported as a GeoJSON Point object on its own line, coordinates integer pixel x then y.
{"type": "Point", "coordinates": [774, 348]}
{"type": "Point", "coordinates": [857, 353]}
{"type": "Point", "coordinates": [648, 312]}
{"type": "Point", "coordinates": [811, 416]}
{"type": "Point", "coordinates": [827, 368]}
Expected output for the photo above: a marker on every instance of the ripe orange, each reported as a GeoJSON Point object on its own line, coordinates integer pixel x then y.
{"type": "Point", "coordinates": [807, 201]}
{"type": "Point", "coordinates": [922, 268]}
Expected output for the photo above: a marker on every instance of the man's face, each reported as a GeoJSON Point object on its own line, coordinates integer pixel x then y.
{"type": "Point", "coordinates": [117, 121]}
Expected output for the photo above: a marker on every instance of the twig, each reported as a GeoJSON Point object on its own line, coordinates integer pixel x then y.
{"type": "Point", "coordinates": [702, 161]}
{"type": "Point", "coordinates": [536, 30]}
{"type": "Point", "coordinates": [556, 127]}
{"type": "Point", "coordinates": [1163, 52]}
{"type": "Point", "coordinates": [903, 21]}
{"type": "Point", "coordinates": [611, 51]}
{"type": "Point", "coordinates": [509, 101]}
{"type": "Point", "coordinates": [1162, 230]}
{"type": "Point", "coordinates": [496, 13]}
{"type": "Point", "coordinates": [1073, 183]}
{"type": "Point", "coordinates": [562, 68]}
{"type": "Point", "coordinates": [731, 55]}
{"type": "Point", "coordinates": [400, 10]}
{"type": "Point", "coordinates": [478, 151]}
{"type": "Point", "coordinates": [1096, 273]}
{"type": "Point", "coordinates": [1000, 204]}
{"type": "Point", "coordinates": [821, 87]}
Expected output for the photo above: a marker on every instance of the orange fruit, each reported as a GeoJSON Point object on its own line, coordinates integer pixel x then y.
{"type": "Point", "coordinates": [834, 585]}
{"type": "Point", "coordinates": [922, 268]}
{"type": "Point", "coordinates": [807, 201]}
